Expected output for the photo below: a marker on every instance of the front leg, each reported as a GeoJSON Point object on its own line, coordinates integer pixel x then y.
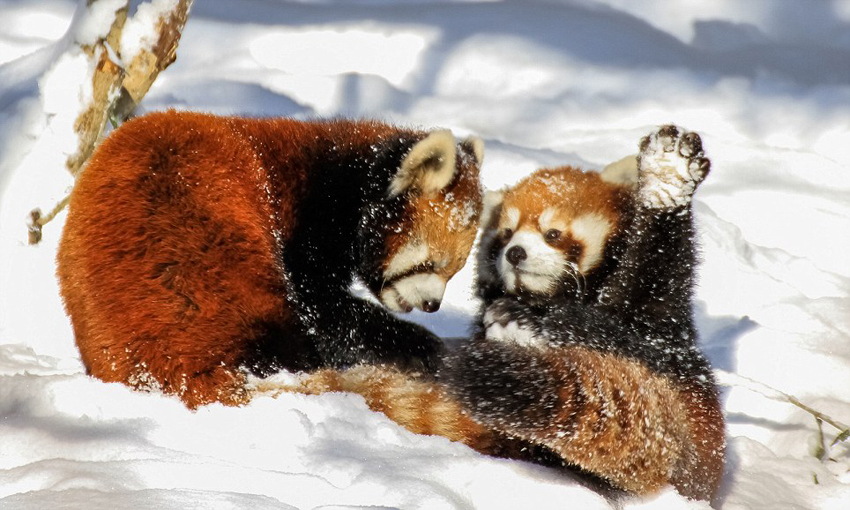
{"type": "Point", "coordinates": [513, 321]}
{"type": "Point", "coordinates": [654, 278]}
{"type": "Point", "coordinates": [342, 329]}
{"type": "Point", "coordinates": [347, 330]}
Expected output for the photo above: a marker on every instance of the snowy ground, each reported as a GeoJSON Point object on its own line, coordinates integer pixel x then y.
{"type": "Point", "coordinates": [766, 83]}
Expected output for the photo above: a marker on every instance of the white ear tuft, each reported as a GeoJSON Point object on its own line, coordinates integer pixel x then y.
{"type": "Point", "coordinates": [476, 146]}
{"type": "Point", "coordinates": [492, 203]}
{"type": "Point", "coordinates": [428, 167]}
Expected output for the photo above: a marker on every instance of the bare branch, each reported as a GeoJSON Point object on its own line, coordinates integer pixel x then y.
{"type": "Point", "coordinates": [106, 80]}
{"type": "Point", "coordinates": [729, 379]}
{"type": "Point", "coordinates": [146, 66]}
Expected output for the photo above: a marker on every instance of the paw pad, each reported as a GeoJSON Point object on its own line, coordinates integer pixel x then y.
{"type": "Point", "coordinates": [671, 164]}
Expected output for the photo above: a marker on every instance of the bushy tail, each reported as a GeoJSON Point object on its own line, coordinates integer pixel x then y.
{"type": "Point", "coordinates": [604, 413]}
{"type": "Point", "coordinates": [421, 406]}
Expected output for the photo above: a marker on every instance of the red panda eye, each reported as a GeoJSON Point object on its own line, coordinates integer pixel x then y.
{"type": "Point", "coordinates": [507, 233]}
{"type": "Point", "coordinates": [553, 235]}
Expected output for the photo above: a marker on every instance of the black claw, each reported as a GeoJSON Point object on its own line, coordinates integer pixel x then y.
{"type": "Point", "coordinates": [704, 166]}
{"type": "Point", "coordinates": [669, 130]}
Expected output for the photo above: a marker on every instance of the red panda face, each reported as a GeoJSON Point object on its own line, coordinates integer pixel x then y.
{"type": "Point", "coordinates": [437, 229]}
{"type": "Point", "coordinates": [552, 229]}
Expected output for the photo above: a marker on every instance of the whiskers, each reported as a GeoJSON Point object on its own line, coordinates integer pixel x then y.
{"type": "Point", "coordinates": [572, 270]}
{"type": "Point", "coordinates": [545, 274]}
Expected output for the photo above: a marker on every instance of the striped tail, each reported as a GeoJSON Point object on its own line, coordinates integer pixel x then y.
{"type": "Point", "coordinates": [421, 406]}
{"type": "Point", "coordinates": [604, 413]}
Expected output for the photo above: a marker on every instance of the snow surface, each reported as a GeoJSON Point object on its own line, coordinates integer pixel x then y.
{"type": "Point", "coordinates": [766, 83]}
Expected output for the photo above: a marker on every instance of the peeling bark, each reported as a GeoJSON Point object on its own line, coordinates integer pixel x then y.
{"type": "Point", "coordinates": [146, 66]}
{"type": "Point", "coordinates": [117, 87]}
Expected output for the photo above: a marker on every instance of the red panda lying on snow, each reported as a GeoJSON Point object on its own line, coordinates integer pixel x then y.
{"type": "Point", "coordinates": [585, 345]}
{"type": "Point", "coordinates": [196, 246]}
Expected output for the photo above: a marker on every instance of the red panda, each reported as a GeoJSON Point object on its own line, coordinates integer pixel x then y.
{"type": "Point", "coordinates": [585, 344]}
{"type": "Point", "coordinates": [197, 247]}
{"type": "Point", "coordinates": [585, 341]}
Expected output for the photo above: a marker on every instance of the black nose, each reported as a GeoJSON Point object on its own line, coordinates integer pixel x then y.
{"type": "Point", "coordinates": [516, 255]}
{"type": "Point", "coordinates": [430, 306]}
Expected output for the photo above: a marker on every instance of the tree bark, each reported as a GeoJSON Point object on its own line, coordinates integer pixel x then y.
{"type": "Point", "coordinates": [117, 86]}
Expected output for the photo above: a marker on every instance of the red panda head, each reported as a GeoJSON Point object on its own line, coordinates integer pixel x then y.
{"type": "Point", "coordinates": [549, 232]}
{"type": "Point", "coordinates": [438, 196]}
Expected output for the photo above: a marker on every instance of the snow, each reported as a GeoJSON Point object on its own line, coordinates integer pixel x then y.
{"type": "Point", "coordinates": [543, 83]}
{"type": "Point", "coordinates": [140, 30]}
{"type": "Point", "coordinates": [96, 22]}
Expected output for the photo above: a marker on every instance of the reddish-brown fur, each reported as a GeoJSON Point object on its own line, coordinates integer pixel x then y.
{"type": "Point", "coordinates": [561, 196]}
{"type": "Point", "coordinates": [609, 415]}
{"type": "Point", "coordinates": [421, 406]}
{"type": "Point", "coordinates": [637, 429]}
{"type": "Point", "coordinates": [546, 188]}
{"type": "Point", "coordinates": [169, 261]}
{"type": "Point", "coordinates": [699, 474]}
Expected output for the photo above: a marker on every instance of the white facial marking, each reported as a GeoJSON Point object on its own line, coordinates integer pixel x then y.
{"type": "Point", "coordinates": [592, 230]}
{"type": "Point", "coordinates": [419, 288]}
{"type": "Point", "coordinates": [547, 220]}
{"type": "Point", "coordinates": [540, 284]}
{"type": "Point", "coordinates": [512, 216]}
{"type": "Point", "coordinates": [540, 270]}
{"type": "Point", "coordinates": [509, 279]}
{"type": "Point", "coordinates": [409, 256]}
{"type": "Point", "coordinates": [492, 200]}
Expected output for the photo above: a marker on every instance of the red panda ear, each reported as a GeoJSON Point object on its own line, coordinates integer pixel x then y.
{"type": "Point", "coordinates": [623, 172]}
{"type": "Point", "coordinates": [428, 167]}
{"type": "Point", "coordinates": [492, 208]}
{"type": "Point", "coordinates": [474, 146]}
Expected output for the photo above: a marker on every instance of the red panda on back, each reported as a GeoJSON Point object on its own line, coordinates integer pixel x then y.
{"type": "Point", "coordinates": [199, 246]}
{"type": "Point", "coordinates": [585, 344]}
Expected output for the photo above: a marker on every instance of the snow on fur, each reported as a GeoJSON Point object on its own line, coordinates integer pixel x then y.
{"type": "Point", "coordinates": [544, 84]}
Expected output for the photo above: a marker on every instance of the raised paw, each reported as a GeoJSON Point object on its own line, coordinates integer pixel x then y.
{"type": "Point", "coordinates": [671, 164]}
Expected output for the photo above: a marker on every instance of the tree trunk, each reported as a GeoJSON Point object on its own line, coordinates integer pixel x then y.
{"type": "Point", "coordinates": [119, 82]}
